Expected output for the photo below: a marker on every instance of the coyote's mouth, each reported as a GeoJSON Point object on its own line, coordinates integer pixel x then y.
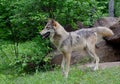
{"type": "Point", "coordinates": [45, 35]}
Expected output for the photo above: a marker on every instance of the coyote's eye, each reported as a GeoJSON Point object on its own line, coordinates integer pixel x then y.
{"type": "Point", "coordinates": [47, 28]}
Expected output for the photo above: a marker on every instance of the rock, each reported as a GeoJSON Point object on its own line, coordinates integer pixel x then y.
{"type": "Point", "coordinates": [68, 28]}
{"type": "Point", "coordinates": [102, 65]}
{"type": "Point", "coordinates": [75, 58]}
{"type": "Point", "coordinates": [109, 64]}
{"type": "Point", "coordinates": [105, 52]}
{"type": "Point", "coordinates": [79, 25]}
{"type": "Point", "coordinates": [115, 40]}
{"type": "Point", "coordinates": [105, 21]}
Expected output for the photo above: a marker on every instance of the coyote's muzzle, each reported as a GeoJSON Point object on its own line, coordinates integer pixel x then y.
{"type": "Point", "coordinates": [45, 35]}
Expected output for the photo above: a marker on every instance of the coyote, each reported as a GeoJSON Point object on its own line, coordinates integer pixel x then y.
{"type": "Point", "coordinates": [66, 42]}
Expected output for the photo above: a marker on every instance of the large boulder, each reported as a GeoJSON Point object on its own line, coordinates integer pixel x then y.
{"type": "Point", "coordinates": [79, 25]}
{"type": "Point", "coordinates": [105, 52]}
{"type": "Point", "coordinates": [105, 21]}
{"type": "Point", "coordinates": [115, 40]}
{"type": "Point", "coordinates": [68, 28]}
{"type": "Point", "coordinates": [75, 58]}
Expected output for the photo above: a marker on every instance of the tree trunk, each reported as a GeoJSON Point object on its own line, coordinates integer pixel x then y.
{"type": "Point", "coordinates": [111, 8]}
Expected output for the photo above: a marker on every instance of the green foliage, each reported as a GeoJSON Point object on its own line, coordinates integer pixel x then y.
{"type": "Point", "coordinates": [31, 55]}
{"type": "Point", "coordinates": [117, 8]}
{"type": "Point", "coordinates": [21, 20]}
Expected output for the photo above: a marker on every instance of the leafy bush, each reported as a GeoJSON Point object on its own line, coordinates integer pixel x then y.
{"type": "Point", "coordinates": [31, 55]}
{"type": "Point", "coordinates": [20, 20]}
{"type": "Point", "coordinates": [117, 7]}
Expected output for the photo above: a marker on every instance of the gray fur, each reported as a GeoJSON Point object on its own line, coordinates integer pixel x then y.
{"type": "Point", "coordinates": [85, 33]}
{"type": "Point", "coordinates": [66, 42]}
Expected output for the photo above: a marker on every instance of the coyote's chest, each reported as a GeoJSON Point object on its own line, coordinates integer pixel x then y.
{"type": "Point", "coordinates": [55, 42]}
{"type": "Point", "coordinates": [55, 39]}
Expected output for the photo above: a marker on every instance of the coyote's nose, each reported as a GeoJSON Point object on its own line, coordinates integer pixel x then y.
{"type": "Point", "coordinates": [40, 34]}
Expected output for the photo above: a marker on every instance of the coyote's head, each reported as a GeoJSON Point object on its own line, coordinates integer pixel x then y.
{"type": "Point", "coordinates": [49, 28]}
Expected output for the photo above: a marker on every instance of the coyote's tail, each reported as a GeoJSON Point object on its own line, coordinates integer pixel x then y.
{"type": "Point", "coordinates": [104, 31]}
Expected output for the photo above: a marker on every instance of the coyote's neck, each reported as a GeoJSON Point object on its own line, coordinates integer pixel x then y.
{"type": "Point", "coordinates": [59, 34]}
{"type": "Point", "coordinates": [60, 30]}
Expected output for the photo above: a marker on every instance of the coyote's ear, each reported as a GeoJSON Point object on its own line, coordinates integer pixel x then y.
{"type": "Point", "coordinates": [53, 22]}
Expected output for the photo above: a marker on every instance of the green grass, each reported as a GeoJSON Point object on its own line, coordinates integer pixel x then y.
{"type": "Point", "coordinates": [76, 76]}
{"type": "Point", "coordinates": [9, 72]}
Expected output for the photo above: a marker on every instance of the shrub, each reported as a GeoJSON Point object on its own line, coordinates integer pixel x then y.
{"type": "Point", "coordinates": [21, 19]}
{"type": "Point", "coordinates": [31, 55]}
{"type": "Point", "coordinates": [117, 7]}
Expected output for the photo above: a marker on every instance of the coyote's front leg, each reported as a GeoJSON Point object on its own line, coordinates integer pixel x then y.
{"type": "Point", "coordinates": [66, 62]}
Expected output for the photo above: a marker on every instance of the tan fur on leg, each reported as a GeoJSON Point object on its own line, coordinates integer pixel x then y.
{"type": "Point", "coordinates": [67, 56]}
